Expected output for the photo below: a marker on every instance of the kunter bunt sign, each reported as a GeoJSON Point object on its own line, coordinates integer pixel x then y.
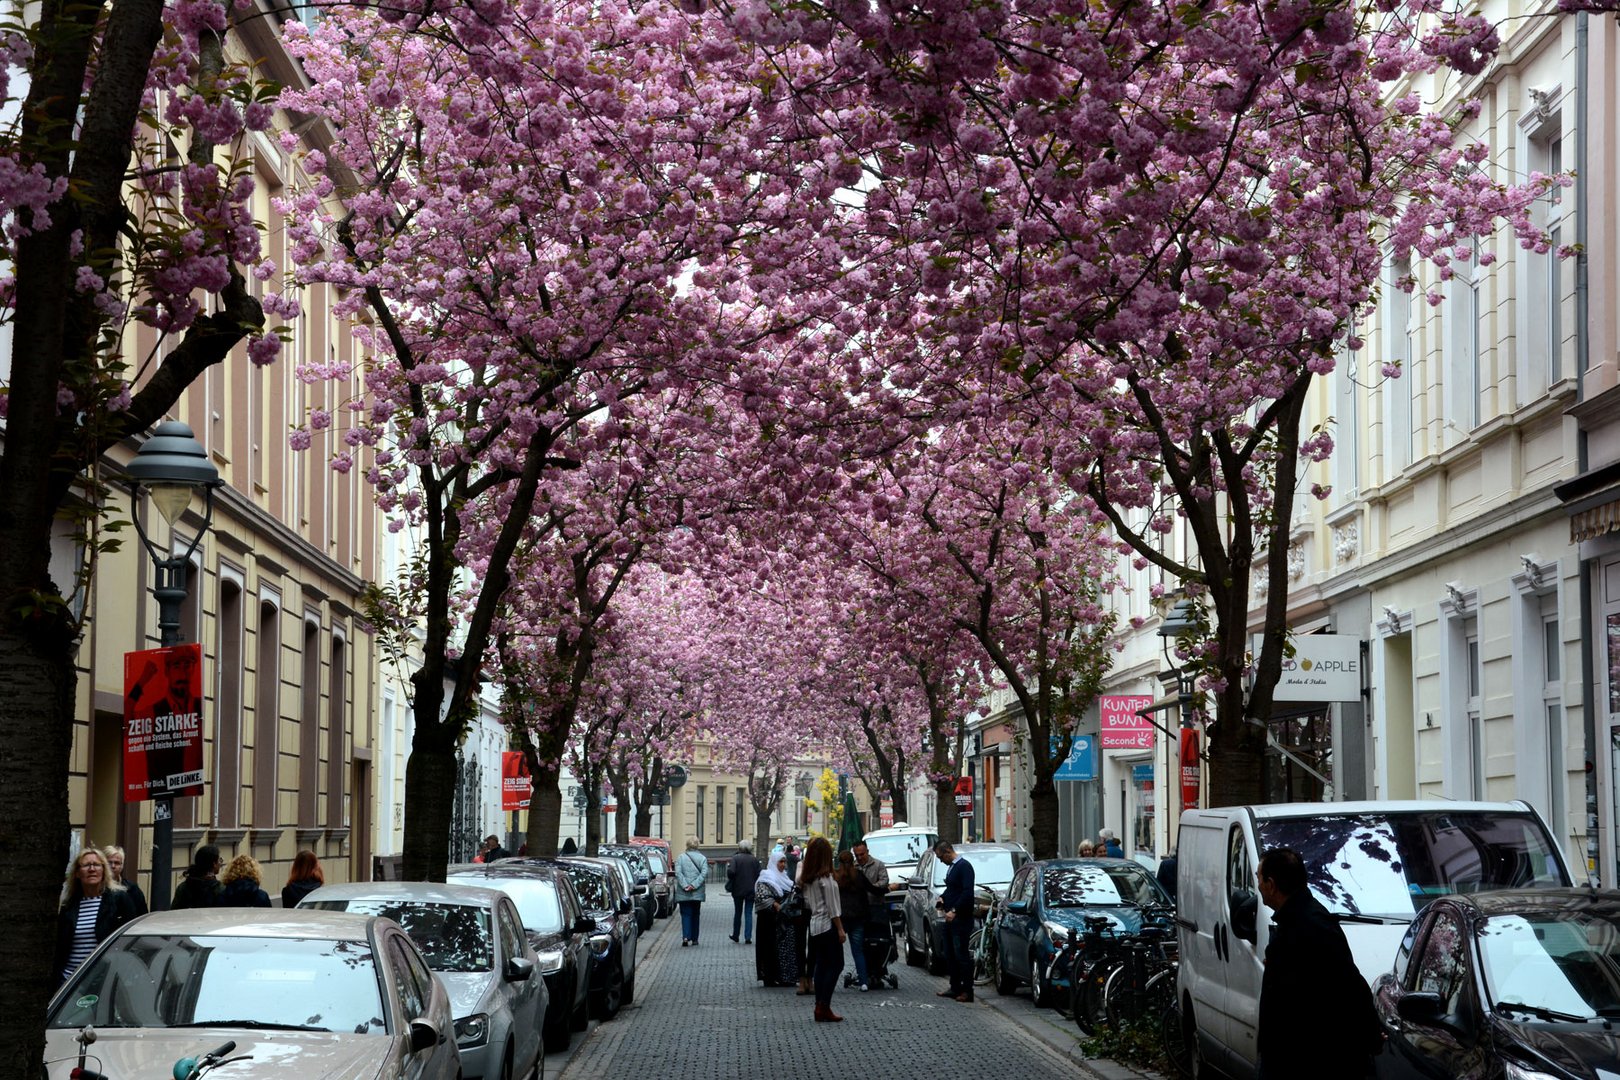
{"type": "Point", "coordinates": [1324, 667]}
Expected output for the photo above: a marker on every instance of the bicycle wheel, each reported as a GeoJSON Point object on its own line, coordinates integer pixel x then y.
{"type": "Point", "coordinates": [1121, 1002]}
{"type": "Point", "coordinates": [1160, 992]}
{"type": "Point", "coordinates": [989, 959]}
{"type": "Point", "coordinates": [1089, 1011]}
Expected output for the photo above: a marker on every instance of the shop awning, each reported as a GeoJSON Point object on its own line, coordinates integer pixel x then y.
{"type": "Point", "coordinates": [1592, 501]}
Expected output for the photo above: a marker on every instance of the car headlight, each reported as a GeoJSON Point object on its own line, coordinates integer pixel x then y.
{"type": "Point", "coordinates": [472, 1030]}
{"type": "Point", "coordinates": [1524, 1072]}
{"type": "Point", "coordinates": [551, 960]}
{"type": "Point", "coordinates": [1056, 931]}
{"type": "Point", "coordinates": [600, 942]}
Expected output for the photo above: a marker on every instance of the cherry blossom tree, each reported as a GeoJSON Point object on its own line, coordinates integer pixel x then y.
{"type": "Point", "coordinates": [103, 227]}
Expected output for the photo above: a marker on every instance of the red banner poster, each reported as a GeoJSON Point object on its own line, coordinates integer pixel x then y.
{"type": "Point", "coordinates": [163, 739]}
{"type": "Point", "coordinates": [1121, 728]}
{"type": "Point", "coordinates": [964, 796]}
{"type": "Point", "coordinates": [516, 784]}
{"type": "Point", "coordinates": [1190, 770]}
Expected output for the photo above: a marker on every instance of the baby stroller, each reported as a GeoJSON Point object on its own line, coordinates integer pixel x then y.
{"type": "Point", "coordinates": [880, 951]}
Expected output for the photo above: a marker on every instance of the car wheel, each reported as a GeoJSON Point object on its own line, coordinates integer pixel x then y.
{"type": "Point", "coordinates": [1005, 983]}
{"type": "Point", "coordinates": [611, 998]}
{"type": "Point", "coordinates": [580, 1014]}
{"type": "Point", "coordinates": [1039, 992]}
{"type": "Point", "coordinates": [1197, 1067]}
{"type": "Point", "coordinates": [913, 957]}
{"type": "Point", "coordinates": [555, 1033]}
{"type": "Point", "coordinates": [934, 961]}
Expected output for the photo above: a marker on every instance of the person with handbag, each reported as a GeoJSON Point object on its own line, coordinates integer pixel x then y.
{"type": "Point", "coordinates": [776, 963]}
{"type": "Point", "coordinates": [691, 874]}
{"type": "Point", "coordinates": [827, 935]}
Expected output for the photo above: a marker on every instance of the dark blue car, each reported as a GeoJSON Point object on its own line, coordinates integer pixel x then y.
{"type": "Point", "coordinates": [1049, 898]}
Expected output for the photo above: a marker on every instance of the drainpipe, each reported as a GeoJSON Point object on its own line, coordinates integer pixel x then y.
{"type": "Point", "coordinates": [1582, 357]}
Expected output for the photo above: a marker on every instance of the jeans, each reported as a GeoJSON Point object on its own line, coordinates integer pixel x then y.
{"type": "Point", "coordinates": [958, 957]}
{"type": "Point", "coordinates": [690, 910]}
{"type": "Point", "coordinates": [742, 916]}
{"type": "Point", "coordinates": [829, 960]}
{"type": "Point", "coordinates": [857, 948]}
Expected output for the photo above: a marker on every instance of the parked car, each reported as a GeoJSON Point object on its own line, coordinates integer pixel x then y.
{"type": "Point", "coordinates": [1518, 985]}
{"type": "Point", "coordinates": [640, 878]}
{"type": "Point", "coordinates": [558, 930]}
{"type": "Point", "coordinates": [473, 941]}
{"type": "Point", "coordinates": [309, 995]}
{"type": "Point", "coordinates": [1375, 865]}
{"type": "Point", "coordinates": [898, 848]}
{"type": "Point", "coordinates": [657, 842]}
{"type": "Point", "coordinates": [663, 879]}
{"type": "Point", "coordinates": [994, 865]}
{"type": "Point", "coordinates": [1049, 899]}
{"type": "Point", "coordinates": [615, 940]}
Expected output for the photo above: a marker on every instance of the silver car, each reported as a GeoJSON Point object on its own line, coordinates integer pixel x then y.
{"type": "Point", "coordinates": [473, 940]}
{"type": "Point", "coordinates": [304, 995]}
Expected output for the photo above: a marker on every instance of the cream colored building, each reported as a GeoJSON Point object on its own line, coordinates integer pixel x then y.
{"type": "Point", "coordinates": [290, 691]}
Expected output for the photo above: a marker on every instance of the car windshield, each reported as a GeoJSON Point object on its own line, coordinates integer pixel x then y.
{"type": "Point", "coordinates": [655, 859]}
{"type": "Point", "coordinates": [636, 859]}
{"type": "Point", "coordinates": [453, 937]}
{"type": "Point", "coordinates": [1077, 886]}
{"type": "Point", "coordinates": [592, 886]}
{"type": "Point", "coordinates": [989, 867]}
{"type": "Point", "coordinates": [901, 849]}
{"type": "Point", "coordinates": [1394, 864]}
{"type": "Point", "coordinates": [161, 981]}
{"type": "Point", "coordinates": [1565, 961]}
{"type": "Point", "coordinates": [536, 900]}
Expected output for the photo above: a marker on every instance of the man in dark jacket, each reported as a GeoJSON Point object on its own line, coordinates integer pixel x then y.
{"type": "Point", "coordinates": [957, 902]}
{"type": "Point", "coordinates": [1317, 1016]}
{"type": "Point", "coordinates": [742, 874]}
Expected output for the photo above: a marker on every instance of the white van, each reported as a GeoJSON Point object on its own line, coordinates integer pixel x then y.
{"type": "Point", "coordinates": [1374, 864]}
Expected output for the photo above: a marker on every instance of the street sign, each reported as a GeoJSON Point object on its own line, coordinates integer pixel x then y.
{"type": "Point", "coordinates": [1081, 764]}
{"type": "Point", "coordinates": [675, 776]}
{"type": "Point", "coordinates": [1122, 728]}
{"type": "Point", "coordinates": [163, 737]}
{"type": "Point", "coordinates": [580, 801]}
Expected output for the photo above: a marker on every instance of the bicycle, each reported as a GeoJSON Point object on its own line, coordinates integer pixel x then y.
{"type": "Point", "coordinates": [1090, 967]}
{"type": "Point", "coordinates": [187, 1068]}
{"type": "Point", "coordinates": [984, 947]}
{"type": "Point", "coordinates": [1143, 982]}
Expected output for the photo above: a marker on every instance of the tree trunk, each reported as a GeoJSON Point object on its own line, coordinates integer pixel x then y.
{"type": "Point", "coordinates": [621, 821]}
{"type": "Point", "coordinates": [762, 831]}
{"type": "Point", "coordinates": [1043, 819]}
{"type": "Point", "coordinates": [545, 809]}
{"type": "Point", "coordinates": [593, 810]}
{"type": "Point", "coordinates": [430, 792]}
{"type": "Point", "coordinates": [36, 732]}
{"type": "Point", "coordinates": [950, 826]}
{"type": "Point", "coordinates": [1236, 760]}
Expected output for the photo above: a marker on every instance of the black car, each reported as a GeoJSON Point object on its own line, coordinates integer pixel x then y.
{"type": "Point", "coordinates": [1521, 984]}
{"type": "Point", "coordinates": [614, 941]}
{"type": "Point", "coordinates": [641, 872]}
{"type": "Point", "coordinates": [557, 926]}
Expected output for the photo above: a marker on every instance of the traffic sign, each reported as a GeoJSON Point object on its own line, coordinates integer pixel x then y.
{"type": "Point", "coordinates": [675, 776]}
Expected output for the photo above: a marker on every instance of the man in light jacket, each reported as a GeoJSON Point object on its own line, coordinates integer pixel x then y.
{"type": "Point", "coordinates": [691, 872]}
{"type": "Point", "coordinates": [742, 874]}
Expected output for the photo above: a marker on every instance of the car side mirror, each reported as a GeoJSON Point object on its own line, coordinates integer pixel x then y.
{"type": "Point", "coordinates": [641, 890]}
{"type": "Point", "coordinates": [1421, 1007]}
{"type": "Point", "coordinates": [584, 925]}
{"type": "Point", "coordinates": [1245, 915]}
{"type": "Point", "coordinates": [624, 905]}
{"type": "Point", "coordinates": [424, 1035]}
{"type": "Point", "coordinates": [1018, 907]}
{"type": "Point", "coordinates": [518, 968]}
{"type": "Point", "coordinates": [642, 879]}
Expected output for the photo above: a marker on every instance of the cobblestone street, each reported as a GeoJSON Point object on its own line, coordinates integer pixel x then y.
{"type": "Point", "coordinates": [699, 1013]}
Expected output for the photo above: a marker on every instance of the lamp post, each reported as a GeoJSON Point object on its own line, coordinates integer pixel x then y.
{"type": "Point", "coordinates": [171, 466]}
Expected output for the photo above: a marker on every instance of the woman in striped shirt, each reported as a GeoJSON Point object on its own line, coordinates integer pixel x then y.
{"type": "Point", "coordinates": [95, 905]}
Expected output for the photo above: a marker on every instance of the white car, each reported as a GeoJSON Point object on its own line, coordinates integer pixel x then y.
{"type": "Point", "coordinates": [304, 995]}
{"type": "Point", "coordinates": [898, 848]}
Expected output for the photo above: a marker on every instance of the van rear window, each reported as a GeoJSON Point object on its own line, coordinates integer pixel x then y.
{"type": "Point", "coordinates": [1394, 864]}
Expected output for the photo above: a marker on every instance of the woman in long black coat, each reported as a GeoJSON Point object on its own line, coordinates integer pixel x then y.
{"type": "Point", "coordinates": [775, 961]}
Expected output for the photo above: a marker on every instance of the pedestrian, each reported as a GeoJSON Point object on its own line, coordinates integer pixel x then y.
{"type": "Point", "coordinates": [200, 886]}
{"type": "Point", "coordinates": [115, 872]}
{"type": "Point", "coordinates": [1087, 850]}
{"type": "Point", "coordinates": [569, 847]}
{"type": "Point", "coordinates": [1317, 1016]}
{"type": "Point", "coordinates": [957, 902]}
{"type": "Point", "coordinates": [793, 856]}
{"type": "Point", "coordinates": [775, 960]}
{"type": "Point", "coordinates": [1167, 874]}
{"type": "Point", "coordinates": [304, 878]}
{"type": "Point", "coordinates": [874, 870]}
{"type": "Point", "coordinates": [1111, 845]}
{"type": "Point", "coordinates": [691, 872]}
{"type": "Point", "coordinates": [827, 934]}
{"type": "Point", "coordinates": [855, 902]}
{"type": "Point", "coordinates": [742, 874]}
{"type": "Point", "coordinates": [244, 884]}
{"type": "Point", "coordinates": [94, 904]}
{"type": "Point", "coordinates": [492, 850]}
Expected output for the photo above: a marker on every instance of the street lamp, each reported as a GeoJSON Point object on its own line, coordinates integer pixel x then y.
{"type": "Point", "coordinates": [171, 466]}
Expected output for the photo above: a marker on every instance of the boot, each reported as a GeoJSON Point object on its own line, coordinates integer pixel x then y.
{"type": "Point", "coordinates": [804, 986]}
{"type": "Point", "coordinates": [825, 1015]}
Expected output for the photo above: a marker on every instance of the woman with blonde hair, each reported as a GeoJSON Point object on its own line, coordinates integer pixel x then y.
{"type": "Point", "coordinates": [242, 880]}
{"type": "Point", "coordinates": [304, 878]}
{"type": "Point", "coordinates": [94, 904]}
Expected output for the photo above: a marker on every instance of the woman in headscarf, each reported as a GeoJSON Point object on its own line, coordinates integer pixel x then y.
{"type": "Point", "coordinates": [775, 959]}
